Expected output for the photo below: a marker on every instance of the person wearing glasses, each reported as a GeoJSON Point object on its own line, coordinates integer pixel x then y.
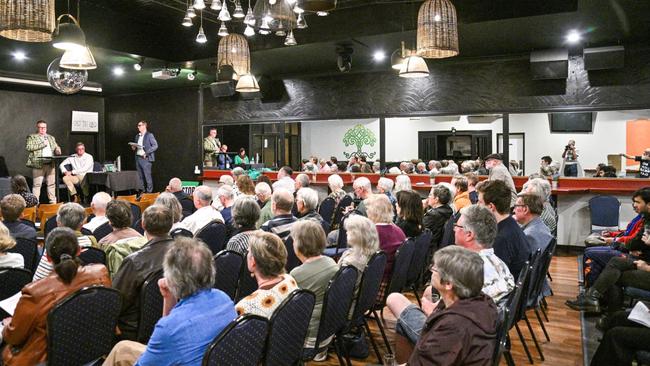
{"type": "Point", "coordinates": [145, 146]}
{"type": "Point", "coordinates": [644, 162]}
{"type": "Point", "coordinates": [41, 147]}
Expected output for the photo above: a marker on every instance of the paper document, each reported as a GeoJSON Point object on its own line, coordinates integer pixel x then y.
{"type": "Point", "coordinates": [9, 304]}
{"type": "Point", "coordinates": [135, 144]}
{"type": "Point", "coordinates": [640, 314]}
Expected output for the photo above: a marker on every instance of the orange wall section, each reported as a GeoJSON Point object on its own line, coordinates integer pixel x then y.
{"type": "Point", "coordinates": [637, 138]}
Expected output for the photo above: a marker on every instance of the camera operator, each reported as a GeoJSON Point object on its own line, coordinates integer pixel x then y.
{"type": "Point", "coordinates": [570, 156]}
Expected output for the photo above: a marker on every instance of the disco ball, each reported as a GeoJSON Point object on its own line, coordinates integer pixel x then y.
{"type": "Point", "coordinates": [66, 81]}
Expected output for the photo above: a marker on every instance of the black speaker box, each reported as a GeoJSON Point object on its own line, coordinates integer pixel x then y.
{"type": "Point", "coordinates": [549, 64]}
{"type": "Point", "coordinates": [222, 88]}
{"type": "Point", "coordinates": [603, 58]}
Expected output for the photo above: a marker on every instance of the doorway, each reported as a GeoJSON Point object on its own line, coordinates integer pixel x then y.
{"type": "Point", "coordinates": [454, 145]}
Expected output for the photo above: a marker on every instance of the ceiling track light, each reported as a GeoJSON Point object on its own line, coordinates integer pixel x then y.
{"type": "Point", "coordinates": [139, 65]}
{"type": "Point", "coordinates": [191, 76]}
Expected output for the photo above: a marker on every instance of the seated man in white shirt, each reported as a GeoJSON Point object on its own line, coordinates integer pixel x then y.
{"type": "Point", "coordinates": [98, 205]}
{"type": "Point", "coordinates": [204, 211]}
{"type": "Point", "coordinates": [74, 169]}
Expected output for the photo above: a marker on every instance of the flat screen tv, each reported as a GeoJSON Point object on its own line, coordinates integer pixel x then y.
{"type": "Point", "coordinates": [572, 121]}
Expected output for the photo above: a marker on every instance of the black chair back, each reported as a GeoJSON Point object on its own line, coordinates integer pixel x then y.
{"type": "Point", "coordinates": [85, 231]}
{"type": "Point", "coordinates": [228, 265]}
{"type": "Point", "coordinates": [502, 336]}
{"type": "Point", "coordinates": [538, 276]}
{"type": "Point", "coordinates": [336, 304]}
{"type": "Point", "coordinates": [28, 248]}
{"type": "Point", "coordinates": [102, 230]}
{"type": "Point", "coordinates": [179, 231]}
{"type": "Point", "coordinates": [136, 214]}
{"type": "Point", "coordinates": [448, 231]}
{"type": "Point", "coordinates": [288, 329]}
{"type": "Point", "coordinates": [338, 212]}
{"type": "Point", "coordinates": [12, 280]}
{"type": "Point", "coordinates": [215, 235]}
{"type": "Point", "coordinates": [50, 224]}
{"type": "Point", "coordinates": [137, 226]}
{"type": "Point", "coordinates": [247, 283]}
{"type": "Point", "coordinates": [81, 327]}
{"type": "Point", "coordinates": [326, 210]}
{"type": "Point", "coordinates": [341, 241]}
{"type": "Point", "coordinates": [151, 307]}
{"type": "Point", "coordinates": [403, 258]}
{"type": "Point", "coordinates": [92, 256]}
{"type": "Point", "coordinates": [370, 284]}
{"type": "Point", "coordinates": [419, 259]}
{"type": "Point", "coordinates": [241, 343]}
{"type": "Point", "coordinates": [516, 297]}
{"type": "Point", "coordinates": [292, 258]}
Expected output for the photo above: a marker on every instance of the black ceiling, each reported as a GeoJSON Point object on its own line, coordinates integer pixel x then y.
{"type": "Point", "coordinates": [121, 31]}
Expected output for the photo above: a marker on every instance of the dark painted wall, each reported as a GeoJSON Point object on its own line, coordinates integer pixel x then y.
{"type": "Point", "coordinates": [172, 116]}
{"type": "Point", "coordinates": [479, 86]}
{"type": "Point", "coordinates": [19, 111]}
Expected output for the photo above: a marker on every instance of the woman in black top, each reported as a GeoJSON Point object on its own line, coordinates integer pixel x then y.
{"type": "Point", "coordinates": [19, 186]}
{"type": "Point", "coordinates": [409, 213]}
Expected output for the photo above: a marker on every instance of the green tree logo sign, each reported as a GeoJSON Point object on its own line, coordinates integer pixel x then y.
{"type": "Point", "coordinates": [359, 136]}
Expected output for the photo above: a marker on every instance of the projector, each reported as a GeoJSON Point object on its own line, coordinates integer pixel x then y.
{"type": "Point", "coordinates": [164, 74]}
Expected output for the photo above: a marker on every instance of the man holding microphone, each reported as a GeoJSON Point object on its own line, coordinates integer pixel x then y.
{"type": "Point", "coordinates": [41, 147]}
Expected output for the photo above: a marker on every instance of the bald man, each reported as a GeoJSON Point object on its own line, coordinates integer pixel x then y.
{"type": "Point", "coordinates": [280, 224]}
{"type": "Point", "coordinates": [204, 211]}
{"type": "Point", "coordinates": [175, 187]}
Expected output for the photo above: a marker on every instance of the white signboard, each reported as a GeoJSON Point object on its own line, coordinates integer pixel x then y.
{"type": "Point", "coordinates": [85, 121]}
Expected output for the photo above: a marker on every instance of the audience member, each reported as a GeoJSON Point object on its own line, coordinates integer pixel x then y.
{"type": "Point", "coordinates": [528, 209]}
{"type": "Point", "coordinates": [494, 163]}
{"type": "Point", "coordinates": [402, 183]}
{"type": "Point", "coordinates": [225, 179]}
{"type": "Point", "coordinates": [265, 179]}
{"type": "Point", "coordinates": [335, 183]}
{"type": "Point", "coordinates": [307, 203]}
{"type": "Point", "coordinates": [421, 168]}
{"type": "Point", "coordinates": [285, 182]}
{"type": "Point", "coordinates": [26, 332]}
{"type": "Point", "coordinates": [119, 216]}
{"type": "Point", "coordinates": [546, 169]}
{"type": "Point", "coordinates": [138, 266]}
{"type": "Point", "coordinates": [175, 187]}
{"type": "Point", "coordinates": [19, 186]}
{"type": "Point", "coordinates": [461, 198]}
{"type": "Point", "coordinates": [510, 244]}
{"type": "Point", "coordinates": [460, 328]}
{"type": "Point", "coordinates": [187, 294]}
{"type": "Point", "coordinates": [472, 181]}
{"type": "Point", "coordinates": [245, 186]}
{"type": "Point", "coordinates": [226, 199]}
{"type": "Point", "coordinates": [438, 213]}
{"type": "Point", "coordinates": [391, 237]}
{"type": "Point", "coordinates": [98, 205]}
{"type": "Point", "coordinates": [9, 260]}
{"type": "Point", "coordinates": [236, 173]}
{"type": "Point", "coordinates": [542, 188]}
{"type": "Point", "coordinates": [621, 340]}
{"type": "Point", "coordinates": [11, 207]}
{"type": "Point", "coordinates": [70, 215]}
{"type": "Point", "coordinates": [315, 272]}
{"type": "Point", "coordinates": [409, 213]}
{"type": "Point", "coordinates": [266, 259]}
{"type": "Point", "coordinates": [263, 193]}
{"type": "Point", "coordinates": [280, 224]}
{"type": "Point", "coordinates": [170, 201]}
{"type": "Point", "coordinates": [362, 190]}
{"type": "Point", "coordinates": [302, 181]}
{"type": "Point", "coordinates": [204, 213]}
{"type": "Point", "coordinates": [385, 186]}
{"type": "Point", "coordinates": [245, 213]}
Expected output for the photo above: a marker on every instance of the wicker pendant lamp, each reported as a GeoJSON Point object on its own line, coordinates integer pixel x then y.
{"type": "Point", "coordinates": [233, 50]}
{"type": "Point", "coordinates": [27, 20]}
{"type": "Point", "coordinates": [273, 17]}
{"type": "Point", "coordinates": [437, 35]}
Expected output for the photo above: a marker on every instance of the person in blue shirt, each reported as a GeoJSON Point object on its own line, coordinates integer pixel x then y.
{"type": "Point", "coordinates": [189, 324]}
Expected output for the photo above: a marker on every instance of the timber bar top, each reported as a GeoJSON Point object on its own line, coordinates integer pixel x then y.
{"type": "Point", "coordinates": [565, 185]}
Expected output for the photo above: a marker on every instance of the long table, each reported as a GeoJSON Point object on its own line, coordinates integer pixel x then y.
{"type": "Point", "coordinates": [126, 180]}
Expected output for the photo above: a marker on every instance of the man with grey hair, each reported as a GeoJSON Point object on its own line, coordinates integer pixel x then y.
{"type": "Point", "coordinates": [263, 193]}
{"type": "Point", "coordinates": [226, 197]}
{"type": "Point", "coordinates": [385, 186]}
{"type": "Point", "coordinates": [204, 213]}
{"type": "Point", "coordinates": [306, 204]}
{"type": "Point", "coordinates": [498, 171]}
{"type": "Point", "coordinates": [98, 204]}
{"type": "Point", "coordinates": [226, 179]}
{"type": "Point", "coordinates": [421, 168]}
{"type": "Point", "coordinates": [70, 215]}
{"type": "Point", "coordinates": [362, 190]}
{"type": "Point", "coordinates": [175, 187]}
{"type": "Point", "coordinates": [302, 181]}
{"type": "Point", "coordinates": [460, 327]}
{"type": "Point", "coordinates": [280, 224]}
{"type": "Point", "coordinates": [187, 293]}
{"type": "Point", "coordinates": [542, 188]}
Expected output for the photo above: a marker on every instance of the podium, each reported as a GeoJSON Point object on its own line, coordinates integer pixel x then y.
{"type": "Point", "coordinates": [56, 160]}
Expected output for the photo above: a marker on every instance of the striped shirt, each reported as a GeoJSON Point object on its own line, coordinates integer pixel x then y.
{"type": "Point", "coordinates": [239, 242]}
{"type": "Point", "coordinates": [45, 267]}
{"type": "Point", "coordinates": [280, 225]}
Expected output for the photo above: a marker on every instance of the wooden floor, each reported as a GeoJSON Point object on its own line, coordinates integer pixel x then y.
{"type": "Point", "coordinates": [565, 347]}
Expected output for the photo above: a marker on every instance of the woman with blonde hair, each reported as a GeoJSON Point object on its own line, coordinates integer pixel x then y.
{"type": "Point", "coordinates": [245, 185]}
{"type": "Point", "coordinates": [13, 260]}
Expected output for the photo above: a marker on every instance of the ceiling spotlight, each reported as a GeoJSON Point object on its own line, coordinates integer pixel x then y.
{"type": "Point", "coordinates": [187, 21]}
{"type": "Point", "coordinates": [118, 71]}
{"type": "Point", "coordinates": [573, 36]}
{"type": "Point", "coordinates": [19, 56]}
{"type": "Point", "coordinates": [191, 76]}
{"type": "Point", "coordinates": [138, 66]}
{"type": "Point", "coordinates": [379, 56]}
{"type": "Point", "coordinates": [216, 5]}
{"type": "Point", "coordinates": [322, 13]}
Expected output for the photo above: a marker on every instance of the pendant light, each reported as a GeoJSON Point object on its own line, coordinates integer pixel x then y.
{"type": "Point", "coordinates": [250, 18]}
{"type": "Point", "coordinates": [224, 14]}
{"type": "Point", "coordinates": [280, 15]}
{"type": "Point", "coordinates": [216, 5]}
{"type": "Point", "coordinates": [239, 11]}
{"type": "Point", "coordinates": [223, 30]}
{"type": "Point", "coordinates": [414, 66]}
{"type": "Point", "coordinates": [187, 21]}
{"type": "Point", "coordinates": [437, 31]}
{"type": "Point", "coordinates": [233, 51]}
{"type": "Point", "coordinates": [68, 36]}
{"type": "Point", "coordinates": [27, 20]}
{"type": "Point", "coordinates": [397, 58]}
{"type": "Point", "coordinates": [78, 59]}
{"type": "Point", "coordinates": [249, 31]}
{"type": "Point", "coordinates": [247, 84]}
{"type": "Point", "coordinates": [199, 4]}
{"type": "Point", "coordinates": [301, 23]}
{"type": "Point", "coordinates": [190, 12]}
{"type": "Point", "coordinates": [290, 40]}
{"type": "Point", "coordinates": [201, 38]}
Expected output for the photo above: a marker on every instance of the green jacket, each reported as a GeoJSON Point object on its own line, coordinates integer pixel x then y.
{"type": "Point", "coordinates": [115, 253]}
{"type": "Point", "coordinates": [34, 146]}
{"type": "Point", "coordinates": [265, 214]}
{"type": "Point", "coordinates": [209, 149]}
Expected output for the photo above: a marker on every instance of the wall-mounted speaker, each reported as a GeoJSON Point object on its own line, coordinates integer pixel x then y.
{"type": "Point", "coordinates": [549, 64]}
{"type": "Point", "coordinates": [222, 88]}
{"type": "Point", "coordinates": [603, 58]}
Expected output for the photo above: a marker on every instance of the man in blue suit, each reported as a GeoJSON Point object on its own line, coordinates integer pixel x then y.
{"type": "Point", "coordinates": [145, 154]}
